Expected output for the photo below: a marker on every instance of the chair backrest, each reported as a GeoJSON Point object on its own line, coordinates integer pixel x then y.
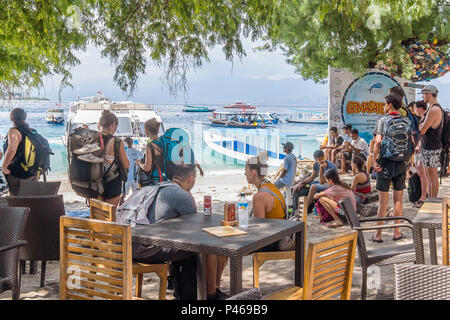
{"type": "Point", "coordinates": [96, 260]}
{"type": "Point", "coordinates": [350, 213]}
{"type": "Point", "coordinates": [42, 228]}
{"type": "Point", "coordinates": [101, 210]}
{"type": "Point", "coordinates": [12, 227]}
{"type": "Point", "coordinates": [421, 282]}
{"type": "Point", "coordinates": [329, 268]}
{"type": "Point", "coordinates": [303, 215]}
{"type": "Point", "coordinates": [446, 231]}
{"type": "Point", "coordinates": [38, 188]}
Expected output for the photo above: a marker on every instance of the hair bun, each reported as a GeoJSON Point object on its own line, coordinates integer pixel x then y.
{"type": "Point", "coordinates": [263, 157]}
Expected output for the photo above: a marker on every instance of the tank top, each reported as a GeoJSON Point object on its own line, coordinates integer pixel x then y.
{"type": "Point", "coordinates": [14, 166]}
{"type": "Point", "coordinates": [364, 187]}
{"type": "Point", "coordinates": [432, 139]}
{"type": "Point", "coordinates": [277, 211]}
{"type": "Point", "coordinates": [157, 163]}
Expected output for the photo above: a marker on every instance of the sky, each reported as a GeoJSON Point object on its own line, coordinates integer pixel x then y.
{"type": "Point", "coordinates": [261, 77]}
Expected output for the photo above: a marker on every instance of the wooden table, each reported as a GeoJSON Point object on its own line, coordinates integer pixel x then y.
{"type": "Point", "coordinates": [185, 233]}
{"type": "Point", "coordinates": [428, 217]}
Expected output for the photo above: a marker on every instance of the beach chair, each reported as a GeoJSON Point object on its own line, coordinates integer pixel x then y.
{"type": "Point", "coordinates": [12, 227]}
{"type": "Point", "coordinates": [446, 231]}
{"type": "Point", "coordinates": [380, 256]}
{"type": "Point", "coordinates": [107, 212]}
{"type": "Point", "coordinates": [329, 271]}
{"type": "Point", "coordinates": [95, 260]}
{"type": "Point", "coordinates": [260, 257]}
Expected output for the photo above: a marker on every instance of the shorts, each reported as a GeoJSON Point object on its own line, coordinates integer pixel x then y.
{"type": "Point", "coordinates": [279, 184]}
{"type": "Point", "coordinates": [393, 171]}
{"type": "Point", "coordinates": [113, 189]}
{"type": "Point", "coordinates": [430, 158]}
{"type": "Point", "coordinates": [350, 155]}
{"type": "Point", "coordinates": [320, 187]}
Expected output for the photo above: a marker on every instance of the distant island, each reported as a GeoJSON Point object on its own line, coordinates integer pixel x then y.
{"type": "Point", "coordinates": [26, 98]}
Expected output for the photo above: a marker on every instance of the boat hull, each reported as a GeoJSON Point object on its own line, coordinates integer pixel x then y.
{"type": "Point", "coordinates": [200, 110]}
{"type": "Point", "coordinates": [230, 124]}
{"type": "Point", "coordinates": [325, 121]}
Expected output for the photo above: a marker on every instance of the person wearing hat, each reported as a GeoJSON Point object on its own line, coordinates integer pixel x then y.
{"type": "Point", "coordinates": [430, 145]}
{"type": "Point", "coordinates": [310, 186]}
{"type": "Point", "coordinates": [289, 167]}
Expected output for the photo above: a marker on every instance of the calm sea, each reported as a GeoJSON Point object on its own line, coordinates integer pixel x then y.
{"type": "Point", "coordinates": [303, 136]}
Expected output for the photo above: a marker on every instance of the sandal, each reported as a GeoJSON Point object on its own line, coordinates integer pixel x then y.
{"type": "Point", "coordinates": [418, 204]}
{"type": "Point", "coordinates": [399, 238]}
{"type": "Point", "coordinates": [335, 224]}
{"type": "Point", "coordinates": [376, 240]}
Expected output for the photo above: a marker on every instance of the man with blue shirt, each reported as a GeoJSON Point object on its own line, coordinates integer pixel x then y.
{"type": "Point", "coordinates": [132, 155]}
{"type": "Point", "coordinates": [289, 168]}
{"type": "Point", "coordinates": [320, 167]}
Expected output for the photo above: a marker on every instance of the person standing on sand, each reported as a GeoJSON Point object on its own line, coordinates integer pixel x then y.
{"type": "Point", "coordinates": [388, 170]}
{"type": "Point", "coordinates": [289, 167]}
{"type": "Point", "coordinates": [113, 189]}
{"type": "Point", "coordinates": [132, 155]}
{"type": "Point", "coordinates": [15, 152]}
{"type": "Point", "coordinates": [431, 130]}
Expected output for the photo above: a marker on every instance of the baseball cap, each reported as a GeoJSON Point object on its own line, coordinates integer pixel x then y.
{"type": "Point", "coordinates": [288, 145]}
{"type": "Point", "coordinates": [430, 89]}
{"type": "Point", "coordinates": [319, 154]}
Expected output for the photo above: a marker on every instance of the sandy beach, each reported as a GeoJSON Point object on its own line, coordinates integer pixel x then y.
{"type": "Point", "coordinates": [274, 275]}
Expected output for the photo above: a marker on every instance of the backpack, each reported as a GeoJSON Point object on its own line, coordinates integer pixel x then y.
{"type": "Point", "coordinates": [175, 149]}
{"type": "Point", "coordinates": [86, 178]}
{"type": "Point", "coordinates": [36, 155]}
{"type": "Point", "coordinates": [184, 273]}
{"type": "Point", "coordinates": [414, 188]}
{"type": "Point", "coordinates": [446, 127]}
{"type": "Point", "coordinates": [136, 207]}
{"type": "Point", "coordinates": [397, 143]}
{"type": "Point", "coordinates": [414, 121]}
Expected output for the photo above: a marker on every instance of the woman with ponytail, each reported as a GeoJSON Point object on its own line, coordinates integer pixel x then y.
{"type": "Point", "coordinates": [328, 200]}
{"type": "Point", "coordinates": [15, 150]}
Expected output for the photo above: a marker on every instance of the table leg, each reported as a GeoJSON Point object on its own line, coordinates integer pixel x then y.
{"type": "Point", "coordinates": [201, 276]}
{"type": "Point", "coordinates": [299, 258]}
{"type": "Point", "coordinates": [433, 250]}
{"type": "Point", "coordinates": [418, 242]}
{"type": "Point", "coordinates": [235, 275]}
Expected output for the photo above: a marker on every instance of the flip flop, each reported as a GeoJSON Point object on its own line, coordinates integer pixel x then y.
{"type": "Point", "coordinates": [376, 240]}
{"type": "Point", "coordinates": [399, 238]}
{"type": "Point", "coordinates": [418, 204]}
{"type": "Point", "coordinates": [334, 225]}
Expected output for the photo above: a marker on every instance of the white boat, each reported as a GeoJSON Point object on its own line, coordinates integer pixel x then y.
{"type": "Point", "coordinates": [308, 117]}
{"type": "Point", "coordinates": [131, 116]}
{"type": "Point", "coordinates": [55, 116]}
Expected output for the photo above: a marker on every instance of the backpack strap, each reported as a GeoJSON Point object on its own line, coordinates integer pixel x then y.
{"type": "Point", "coordinates": [152, 149]}
{"type": "Point", "coordinates": [272, 193]}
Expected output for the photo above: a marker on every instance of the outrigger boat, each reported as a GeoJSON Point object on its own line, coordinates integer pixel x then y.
{"type": "Point", "coordinates": [315, 117]}
{"type": "Point", "coordinates": [55, 116]}
{"type": "Point", "coordinates": [247, 120]}
{"type": "Point", "coordinates": [197, 109]}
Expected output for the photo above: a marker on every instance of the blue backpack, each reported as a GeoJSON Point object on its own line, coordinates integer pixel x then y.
{"type": "Point", "coordinates": [414, 125]}
{"type": "Point", "coordinates": [176, 150]}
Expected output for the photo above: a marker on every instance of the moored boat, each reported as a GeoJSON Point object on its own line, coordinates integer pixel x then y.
{"type": "Point", "coordinates": [247, 120]}
{"type": "Point", "coordinates": [55, 116]}
{"type": "Point", "coordinates": [240, 105]}
{"type": "Point", "coordinates": [315, 117]}
{"type": "Point", "coordinates": [197, 109]}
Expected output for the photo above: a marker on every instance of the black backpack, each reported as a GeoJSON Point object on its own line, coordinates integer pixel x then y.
{"type": "Point", "coordinates": [414, 188]}
{"type": "Point", "coordinates": [184, 273]}
{"type": "Point", "coordinates": [397, 143]}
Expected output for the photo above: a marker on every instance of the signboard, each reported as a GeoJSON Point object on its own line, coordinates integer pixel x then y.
{"type": "Point", "coordinates": [359, 101]}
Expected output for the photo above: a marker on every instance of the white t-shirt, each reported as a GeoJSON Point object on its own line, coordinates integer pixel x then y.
{"type": "Point", "coordinates": [361, 145]}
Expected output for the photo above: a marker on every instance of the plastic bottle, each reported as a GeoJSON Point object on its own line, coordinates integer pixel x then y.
{"type": "Point", "coordinates": [243, 211]}
{"type": "Point", "coordinates": [325, 140]}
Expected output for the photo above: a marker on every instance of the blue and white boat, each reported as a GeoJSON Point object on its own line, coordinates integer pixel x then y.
{"type": "Point", "coordinates": [55, 116]}
{"type": "Point", "coordinates": [316, 117]}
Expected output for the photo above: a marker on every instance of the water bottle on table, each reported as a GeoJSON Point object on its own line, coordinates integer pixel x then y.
{"type": "Point", "coordinates": [243, 211]}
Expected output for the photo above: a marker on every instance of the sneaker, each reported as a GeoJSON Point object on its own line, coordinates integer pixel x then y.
{"type": "Point", "coordinates": [221, 295]}
{"type": "Point", "coordinates": [90, 158]}
{"type": "Point", "coordinates": [88, 148]}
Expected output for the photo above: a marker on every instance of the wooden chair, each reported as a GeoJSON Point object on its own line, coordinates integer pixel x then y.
{"type": "Point", "coordinates": [260, 257]}
{"type": "Point", "coordinates": [329, 271]}
{"type": "Point", "coordinates": [446, 231]}
{"type": "Point", "coordinates": [107, 212]}
{"type": "Point", "coordinates": [95, 260]}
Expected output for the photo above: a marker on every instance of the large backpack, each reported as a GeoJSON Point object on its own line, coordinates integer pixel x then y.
{"type": "Point", "coordinates": [176, 150]}
{"type": "Point", "coordinates": [88, 179]}
{"type": "Point", "coordinates": [35, 159]}
{"type": "Point", "coordinates": [414, 188]}
{"type": "Point", "coordinates": [397, 143]}
{"type": "Point", "coordinates": [135, 208]}
{"type": "Point", "coordinates": [414, 123]}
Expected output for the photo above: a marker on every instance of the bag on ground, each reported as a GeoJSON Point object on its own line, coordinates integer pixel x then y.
{"type": "Point", "coordinates": [184, 273]}
{"type": "Point", "coordinates": [414, 188]}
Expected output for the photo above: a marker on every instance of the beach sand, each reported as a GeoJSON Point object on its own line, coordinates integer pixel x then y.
{"type": "Point", "coordinates": [274, 275]}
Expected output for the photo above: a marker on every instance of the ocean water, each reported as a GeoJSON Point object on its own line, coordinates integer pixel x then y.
{"type": "Point", "coordinates": [303, 136]}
